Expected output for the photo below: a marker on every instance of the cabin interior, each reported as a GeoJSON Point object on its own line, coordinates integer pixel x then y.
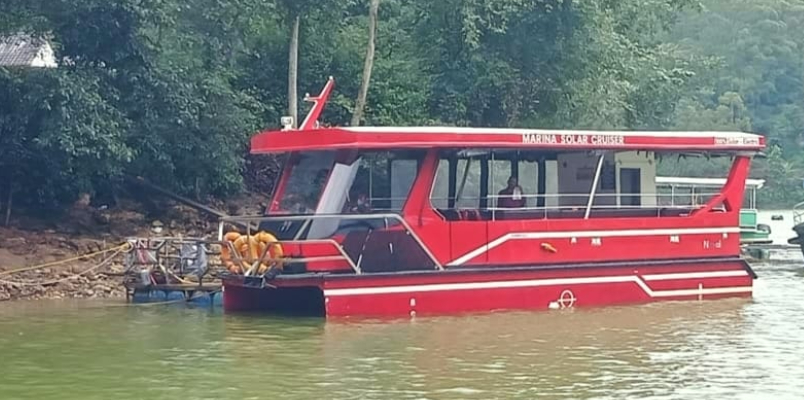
{"type": "Point", "coordinates": [471, 183]}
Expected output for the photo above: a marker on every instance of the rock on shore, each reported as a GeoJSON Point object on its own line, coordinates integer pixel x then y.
{"type": "Point", "coordinates": [20, 249]}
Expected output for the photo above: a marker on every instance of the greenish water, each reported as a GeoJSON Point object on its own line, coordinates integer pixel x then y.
{"type": "Point", "coordinates": [730, 349]}
{"type": "Point", "coordinates": [712, 349]}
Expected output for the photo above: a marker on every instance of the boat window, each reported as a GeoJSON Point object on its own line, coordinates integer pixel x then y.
{"type": "Point", "coordinates": [505, 165]}
{"type": "Point", "coordinates": [440, 195]}
{"type": "Point", "coordinates": [383, 181]}
{"type": "Point", "coordinates": [458, 183]}
{"type": "Point", "coordinates": [467, 192]}
{"type": "Point", "coordinates": [471, 184]}
{"type": "Point", "coordinates": [478, 179]}
{"type": "Point", "coordinates": [308, 176]}
{"type": "Point", "coordinates": [687, 192]}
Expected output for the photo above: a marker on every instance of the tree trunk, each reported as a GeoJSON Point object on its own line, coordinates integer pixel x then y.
{"type": "Point", "coordinates": [8, 203]}
{"type": "Point", "coordinates": [361, 96]}
{"type": "Point", "coordinates": [293, 69]}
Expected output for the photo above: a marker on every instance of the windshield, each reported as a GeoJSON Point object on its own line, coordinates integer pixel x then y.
{"type": "Point", "coordinates": [308, 176]}
{"type": "Point", "coordinates": [330, 182]}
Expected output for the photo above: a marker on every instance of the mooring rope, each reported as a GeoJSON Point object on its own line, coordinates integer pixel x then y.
{"type": "Point", "coordinates": [72, 276]}
{"type": "Point", "coordinates": [66, 260]}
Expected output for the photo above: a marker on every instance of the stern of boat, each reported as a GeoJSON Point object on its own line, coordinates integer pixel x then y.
{"type": "Point", "coordinates": [278, 296]}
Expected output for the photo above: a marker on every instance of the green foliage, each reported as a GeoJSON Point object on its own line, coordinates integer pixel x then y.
{"type": "Point", "coordinates": [172, 90]}
{"type": "Point", "coordinates": [756, 83]}
{"type": "Point", "coordinates": [784, 177]}
{"type": "Point", "coordinates": [59, 133]}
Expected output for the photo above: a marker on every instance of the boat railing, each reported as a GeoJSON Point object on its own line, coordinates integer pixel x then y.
{"type": "Point", "coordinates": [388, 219]}
{"type": "Point", "coordinates": [665, 199]}
{"type": "Point", "coordinates": [264, 258]}
{"type": "Point", "coordinates": [579, 201]}
{"type": "Point", "coordinates": [798, 213]}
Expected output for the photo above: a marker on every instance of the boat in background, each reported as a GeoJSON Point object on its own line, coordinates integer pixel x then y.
{"type": "Point", "coordinates": [798, 226]}
{"type": "Point", "coordinates": [404, 221]}
{"type": "Point", "coordinates": [689, 191]}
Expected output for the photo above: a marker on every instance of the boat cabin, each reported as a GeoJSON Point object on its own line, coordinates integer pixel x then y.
{"type": "Point", "coordinates": [403, 220]}
{"type": "Point", "coordinates": [470, 183]}
{"type": "Point", "coordinates": [400, 198]}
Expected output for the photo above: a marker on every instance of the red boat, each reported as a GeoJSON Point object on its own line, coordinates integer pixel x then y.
{"type": "Point", "coordinates": [389, 221]}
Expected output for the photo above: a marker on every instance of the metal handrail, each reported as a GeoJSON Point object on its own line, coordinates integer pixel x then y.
{"type": "Point", "coordinates": [335, 244]}
{"type": "Point", "coordinates": [798, 213]}
{"type": "Point", "coordinates": [260, 218]}
{"type": "Point", "coordinates": [559, 195]}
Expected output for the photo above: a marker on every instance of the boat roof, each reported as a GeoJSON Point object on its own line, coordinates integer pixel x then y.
{"type": "Point", "coordinates": [329, 138]}
{"type": "Point", "coordinates": [684, 181]}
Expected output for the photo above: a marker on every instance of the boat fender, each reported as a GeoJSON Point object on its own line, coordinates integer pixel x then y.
{"type": "Point", "coordinates": [549, 247]}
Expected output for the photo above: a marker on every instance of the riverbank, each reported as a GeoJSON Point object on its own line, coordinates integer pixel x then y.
{"type": "Point", "coordinates": [21, 249]}
{"type": "Point", "coordinates": [82, 230]}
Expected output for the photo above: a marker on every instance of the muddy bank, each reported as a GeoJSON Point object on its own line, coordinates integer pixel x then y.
{"type": "Point", "coordinates": [32, 241]}
{"type": "Point", "coordinates": [20, 249]}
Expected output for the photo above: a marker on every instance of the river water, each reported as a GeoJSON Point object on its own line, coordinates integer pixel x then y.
{"type": "Point", "coordinates": [725, 349]}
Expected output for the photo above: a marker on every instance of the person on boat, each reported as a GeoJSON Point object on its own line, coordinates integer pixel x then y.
{"type": "Point", "coordinates": [511, 196]}
{"type": "Point", "coordinates": [297, 204]}
{"type": "Point", "coordinates": [360, 205]}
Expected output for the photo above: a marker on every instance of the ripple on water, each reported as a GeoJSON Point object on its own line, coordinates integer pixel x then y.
{"type": "Point", "coordinates": [736, 349]}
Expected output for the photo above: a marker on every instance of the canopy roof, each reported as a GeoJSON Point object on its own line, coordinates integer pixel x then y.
{"type": "Point", "coordinates": [716, 182]}
{"type": "Point", "coordinates": [456, 137]}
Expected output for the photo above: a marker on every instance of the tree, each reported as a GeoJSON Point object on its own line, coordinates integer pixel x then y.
{"type": "Point", "coordinates": [173, 90]}
{"type": "Point", "coordinates": [360, 104]}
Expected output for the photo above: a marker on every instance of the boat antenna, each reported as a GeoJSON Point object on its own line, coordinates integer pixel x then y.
{"type": "Point", "coordinates": [319, 102]}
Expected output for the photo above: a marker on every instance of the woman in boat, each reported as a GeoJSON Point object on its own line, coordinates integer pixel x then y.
{"type": "Point", "coordinates": [511, 196]}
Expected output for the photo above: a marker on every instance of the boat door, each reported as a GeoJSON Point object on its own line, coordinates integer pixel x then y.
{"type": "Point", "coordinates": [630, 190]}
{"type": "Point", "coordinates": [460, 196]}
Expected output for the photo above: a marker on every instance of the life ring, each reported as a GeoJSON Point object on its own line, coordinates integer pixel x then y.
{"type": "Point", "coordinates": [250, 249]}
{"type": "Point", "coordinates": [226, 256]}
{"type": "Point", "coordinates": [274, 253]}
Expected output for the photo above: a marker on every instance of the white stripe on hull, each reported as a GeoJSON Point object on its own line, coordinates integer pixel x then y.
{"type": "Point", "coordinates": [587, 234]}
{"type": "Point", "coordinates": [436, 287]}
{"type": "Point", "coordinates": [694, 275]}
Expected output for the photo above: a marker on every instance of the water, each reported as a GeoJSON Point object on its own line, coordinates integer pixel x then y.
{"type": "Point", "coordinates": [736, 349]}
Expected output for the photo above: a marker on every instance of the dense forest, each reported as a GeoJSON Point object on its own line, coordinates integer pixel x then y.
{"type": "Point", "coordinates": [171, 90]}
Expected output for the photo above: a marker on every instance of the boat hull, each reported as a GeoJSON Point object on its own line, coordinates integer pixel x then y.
{"type": "Point", "coordinates": [491, 289]}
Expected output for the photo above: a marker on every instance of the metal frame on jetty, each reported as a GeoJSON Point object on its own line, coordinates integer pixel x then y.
{"type": "Point", "coordinates": [171, 269]}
